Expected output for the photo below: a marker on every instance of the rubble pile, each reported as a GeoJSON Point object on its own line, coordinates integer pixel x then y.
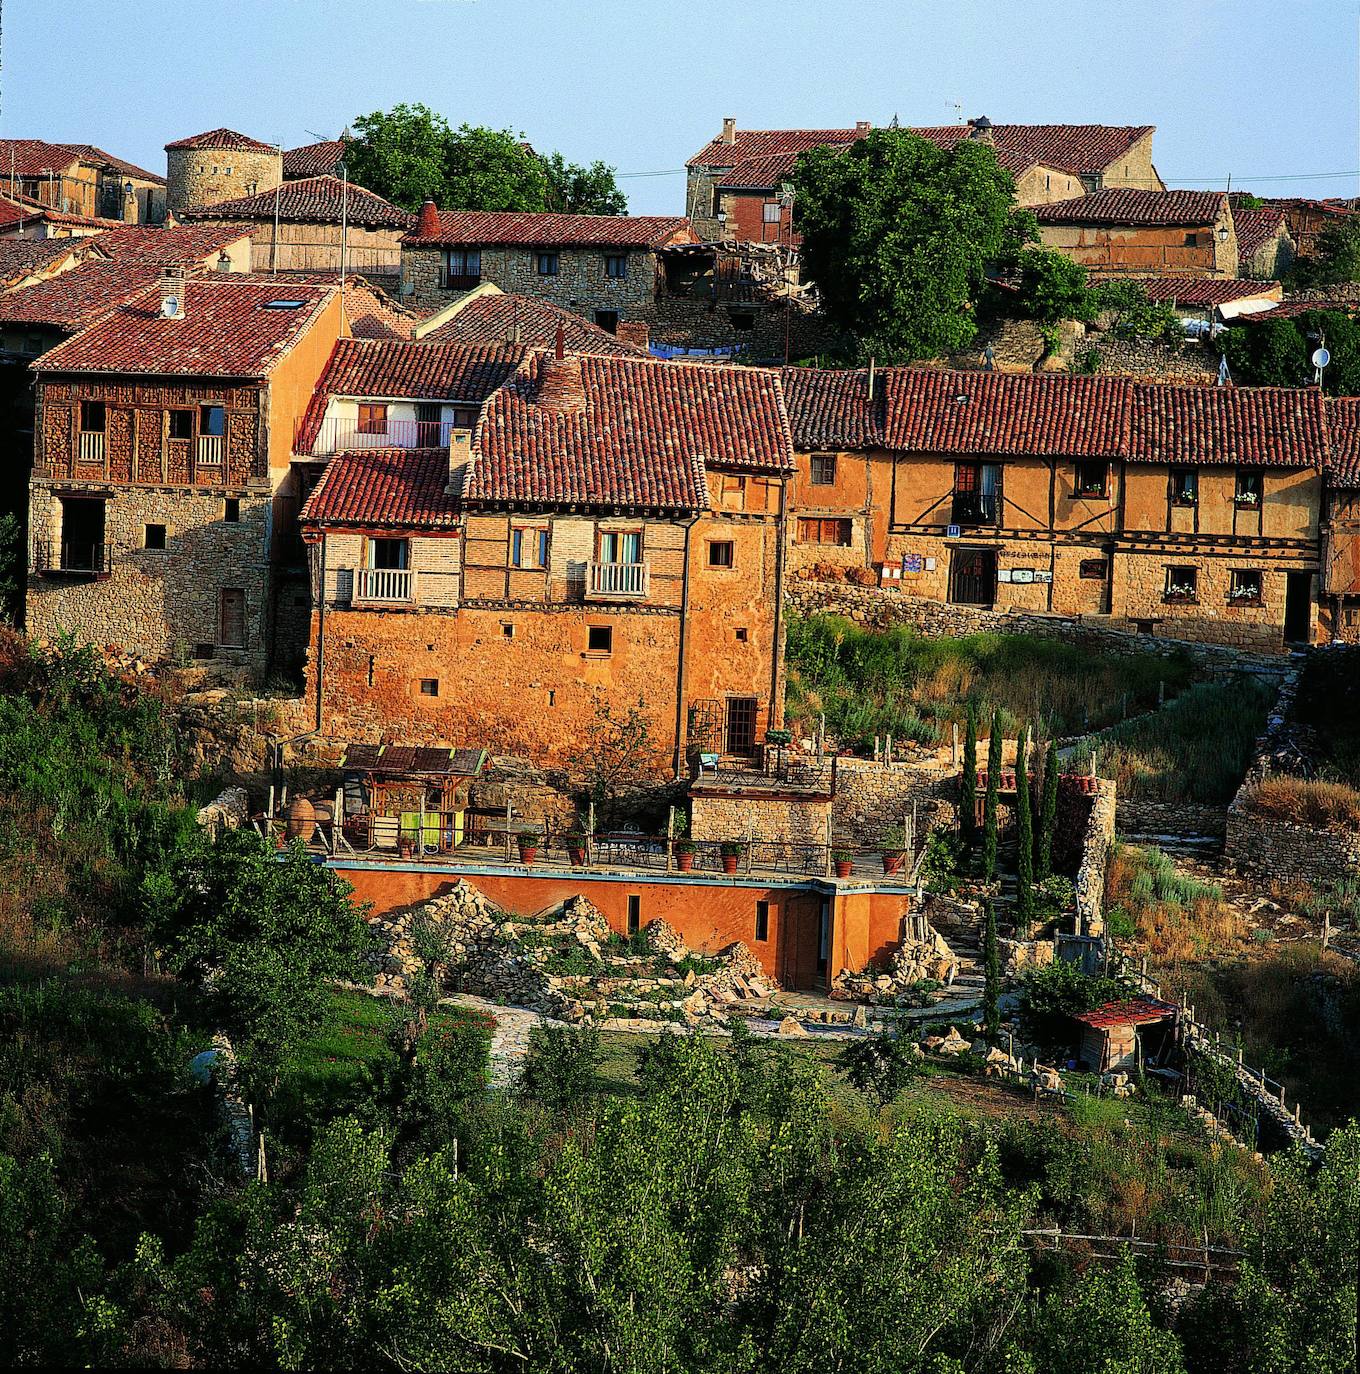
{"type": "Point", "coordinates": [913, 962]}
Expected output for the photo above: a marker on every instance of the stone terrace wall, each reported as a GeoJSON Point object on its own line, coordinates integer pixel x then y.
{"type": "Point", "coordinates": [788, 820]}
{"type": "Point", "coordinates": [872, 798]}
{"type": "Point", "coordinates": [1095, 856]}
{"type": "Point", "coordinates": [1170, 818]}
{"type": "Point", "coordinates": [878, 609]}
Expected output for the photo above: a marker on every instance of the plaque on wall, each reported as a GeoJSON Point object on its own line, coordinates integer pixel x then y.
{"type": "Point", "coordinates": [1022, 575]}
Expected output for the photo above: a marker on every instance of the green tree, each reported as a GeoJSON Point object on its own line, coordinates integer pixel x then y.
{"type": "Point", "coordinates": [991, 989]}
{"type": "Point", "coordinates": [1048, 814]}
{"type": "Point", "coordinates": [1051, 286]}
{"type": "Point", "coordinates": [445, 1071]}
{"type": "Point", "coordinates": [897, 236]}
{"type": "Point", "coordinates": [1133, 316]}
{"type": "Point", "coordinates": [12, 555]}
{"type": "Point", "coordinates": [1279, 352]}
{"type": "Point", "coordinates": [968, 781]}
{"type": "Point", "coordinates": [1024, 828]}
{"type": "Point", "coordinates": [1334, 261]}
{"type": "Point", "coordinates": [880, 1065]}
{"type": "Point", "coordinates": [579, 190]}
{"type": "Point", "coordinates": [560, 1068]}
{"type": "Point", "coordinates": [991, 800]}
{"type": "Point", "coordinates": [1050, 997]}
{"type": "Point", "coordinates": [264, 935]}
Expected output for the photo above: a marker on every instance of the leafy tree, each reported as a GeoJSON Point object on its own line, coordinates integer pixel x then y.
{"type": "Point", "coordinates": [579, 190]}
{"type": "Point", "coordinates": [617, 754]}
{"type": "Point", "coordinates": [444, 1071]}
{"type": "Point", "coordinates": [968, 781]}
{"type": "Point", "coordinates": [991, 991]}
{"type": "Point", "coordinates": [560, 1068]}
{"type": "Point", "coordinates": [1051, 286]}
{"type": "Point", "coordinates": [880, 1065]}
{"type": "Point", "coordinates": [1279, 352]}
{"type": "Point", "coordinates": [12, 556]}
{"type": "Point", "coordinates": [898, 235]}
{"type": "Point", "coordinates": [264, 935]}
{"type": "Point", "coordinates": [1133, 315]}
{"type": "Point", "coordinates": [1024, 826]}
{"type": "Point", "coordinates": [992, 799]}
{"type": "Point", "coordinates": [1335, 259]}
{"type": "Point", "coordinates": [1048, 814]}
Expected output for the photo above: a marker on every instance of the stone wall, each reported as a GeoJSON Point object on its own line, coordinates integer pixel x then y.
{"type": "Point", "coordinates": [872, 798]}
{"type": "Point", "coordinates": [204, 176]}
{"type": "Point", "coordinates": [717, 814]}
{"type": "Point", "coordinates": [1138, 817]}
{"type": "Point", "coordinates": [1096, 843]}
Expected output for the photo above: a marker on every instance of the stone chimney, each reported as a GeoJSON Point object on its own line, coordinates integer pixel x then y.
{"type": "Point", "coordinates": [634, 332]}
{"type": "Point", "coordinates": [172, 289]}
{"type": "Point", "coordinates": [428, 226]}
{"type": "Point", "coordinates": [981, 129]}
{"type": "Point", "coordinates": [862, 127]}
{"type": "Point", "coordinates": [729, 133]}
{"type": "Point", "coordinates": [460, 453]}
{"type": "Point", "coordinates": [561, 387]}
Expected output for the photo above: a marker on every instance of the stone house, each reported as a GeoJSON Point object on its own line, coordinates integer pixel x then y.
{"type": "Point", "coordinates": [1265, 247]}
{"type": "Point", "coordinates": [1208, 298]}
{"type": "Point", "coordinates": [218, 165]}
{"type": "Point", "coordinates": [487, 314]}
{"type": "Point", "coordinates": [733, 184]}
{"type": "Point", "coordinates": [1186, 233]}
{"type": "Point", "coordinates": [22, 218]}
{"type": "Point", "coordinates": [603, 267]}
{"type": "Point", "coordinates": [607, 540]}
{"type": "Point", "coordinates": [80, 179]}
{"type": "Point", "coordinates": [321, 224]}
{"type": "Point", "coordinates": [163, 439]}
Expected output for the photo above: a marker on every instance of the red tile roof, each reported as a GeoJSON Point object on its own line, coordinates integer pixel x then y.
{"type": "Point", "coordinates": [1244, 426]}
{"type": "Point", "coordinates": [92, 154]}
{"type": "Point", "coordinates": [19, 257]}
{"type": "Point", "coordinates": [313, 159]}
{"type": "Point", "coordinates": [222, 138]}
{"type": "Point", "coordinates": [79, 297]}
{"type": "Point", "coordinates": [373, 314]}
{"type": "Point", "coordinates": [388, 488]}
{"type": "Point", "coordinates": [832, 410]}
{"type": "Point", "coordinates": [933, 411]}
{"type": "Point", "coordinates": [33, 157]}
{"type": "Point", "coordinates": [1197, 291]}
{"type": "Point", "coordinates": [178, 246]}
{"type": "Point", "coordinates": [16, 211]}
{"type": "Point", "coordinates": [491, 227]}
{"type": "Point", "coordinates": [641, 437]}
{"type": "Point", "coordinates": [1289, 309]}
{"type": "Point", "coordinates": [1343, 420]}
{"type": "Point", "coordinates": [317, 200]}
{"type": "Point", "coordinates": [1255, 228]}
{"type": "Point", "coordinates": [492, 318]}
{"type": "Point", "coordinates": [1122, 205]}
{"type": "Point", "coordinates": [228, 330]}
{"type": "Point", "coordinates": [1136, 1011]}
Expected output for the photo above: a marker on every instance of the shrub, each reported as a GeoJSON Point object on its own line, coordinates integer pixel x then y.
{"type": "Point", "coordinates": [559, 1070]}
{"type": "Point", "coordinates": [1307, 801]}
{"type": "Point", "coordinates": [1050, 997]}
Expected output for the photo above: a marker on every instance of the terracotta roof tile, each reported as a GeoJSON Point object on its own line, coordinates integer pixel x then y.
{"type": "Point", "coordinates": [832, 410]}
{"type": "Point", "coordinates": [396, 369]}
{"type": "Point", "coordinates": [79, 297]}
{"type": "Point", "coordinates": [90, 153]}
{"type": "Point", "coordinates": [1121, 205]}
{"type": "Point", "coordinates": [317, 200]}
{"type": "Point", "coordinates": [642, 436]}
{"type": "Point", "coordinates": [1343, 422]}
{"type": "Point", "coordinates": [178, 246]}
{"type": "Point", "coordinates": [19, 257]}
{"type": "Point", "coordinates": [1244, 426]}
{"type": "Point", "coordinates": [388, 488]}
{"type": "Point", "coordinates": [228, 330]}
{"type": "Point", "coordinates": [1136, 1011]}
{"type": "Point", "coordinates": [1255, 228]}
{"type": "Point", "coordinates": [222, 138]}
{"type": "Point", "coordinates": [313, 159]}
{"type": "Point", "coordinates": [34, 157]}
{"type": "Point", "coordinates": [1196, 291]}
{"type": "Point", "coordinates": [373, 314]}
{"type": "Point", "coordinates": [488, 227]}
{"type": "Point", "coordinates": [1287, 310]}
{"type": "Point", "coordinates": [491, 318]}
{"type": "Point", "coordinates": [16, 210]}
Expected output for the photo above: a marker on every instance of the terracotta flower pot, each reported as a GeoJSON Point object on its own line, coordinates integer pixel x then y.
{"type": "Point", "coordinates": [684, 861]}
{"type": "Point", "coordinates": [842, 867]}
{"type": "Point", "coordinates": [729, 862]}
{"type": "Point", "coordinates": [528, 853]}
{"type": "Point", "coordinates": [892, 863]}
{"type": "Point", "coordinates": [577, 855]}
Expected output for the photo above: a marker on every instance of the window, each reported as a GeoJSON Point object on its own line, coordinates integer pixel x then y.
{"type": "Point", "coordinates": [181, 424]}
{"type": "Point", "coordinates": [231, 618]}
{"type": "Point", "coordinates": [616, 266]}
{"type": "Point", "coordinates": [1244, 588]}
{"type": "Point", "coordinates": [739, 736]}
{"type": "Point", "coordinates": [620, 546]}
{"type": "Point", "coordinates": [720, 553]}
{"type": "Point", "coordinates": [607, 320]}
{"type": "Point", "coordinates": [977, 493]}
{"type": "Point", "coordinates": [547, 264]}
{"type": "Point", "coordinates": [212, 420]}
{"type": "Point", "coordinates": [507, 629]}
{"type": "Point", "coordinates": [600, 639]}
{"type": "Point", "coordinates": [389, 553]}
{"type": "Point", "coordinates": [372, 418]}
{"type": "Point", "coordinates": [462, 268]}
{"type": "Point", "coordinates": [822, 468]}
{"type": "Point", "coordinates": [1092, 479]}
{"type": "Point", "coordinates": [743, 319]}
{"type": "Point", "coordinates": [429, 686]}
{"type": "Point", "coordinates": [529, 548]}
{"type": "Point", "coordinates": [1093, 568]}
{"type": "Point", "coordinates": [1184, 487]}
{"type": "Point", "coordinates": [771, 212]}
{"type": "Point", "coordinates": [153, 536]}
{"type": "Point", "coordinates": [634, 913]}
{"type": "Point", "coordinates": [742, 634]}
{"type": "Point", "coordinates": [290, 304]}
{"type": "Point", "coordinates": [1182, 584]}
{"type": "Point", "coordinates": [204, 651]}
{"type": "Point", "coordinates": [816, 531]}
{"type": "Point", "coordinates": [762, 921]}
{"type": "Point", "coordinates": [93, 417]}
{"type": "Point", "coordinates": [1249, 489]}
{"type": "Point", "coordinates": [231, 510]}
{"type": "Point", "coordinates": [1191, 240]}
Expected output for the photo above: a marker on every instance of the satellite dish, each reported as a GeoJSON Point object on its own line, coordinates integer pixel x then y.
{"type": "Point", "coordinates": [1321, 357]}
{"type": "Point", "coordinates": [170, 307]}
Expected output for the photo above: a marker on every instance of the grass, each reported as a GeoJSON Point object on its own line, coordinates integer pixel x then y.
{"type": "Point", "coordinates": [1174, 917]}
{"type": "Point", "coordinates": [1307, 801]}
{"type": "Point", "coordinates": [1197, 749]}
{"type": "Point", "coordinates": [899, 682]}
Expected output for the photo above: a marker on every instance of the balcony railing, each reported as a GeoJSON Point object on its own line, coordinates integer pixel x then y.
{"type": "Point", "coordinates": [458, 281]}
{"type": "Point", "coordinates": [387, 585]}
{"type": "Point", "coordinates": [975, 508]}
{"type": "Point", "coordinates": [339, 435]}
{"type": "Point", "coordinates": [72, 556]}
{"type": "Point", "coordinates": [211, 449]}
{"type": "Point", "coordinates": [618, 579]}
{"type": "Point", "coordinates": [92, 446]}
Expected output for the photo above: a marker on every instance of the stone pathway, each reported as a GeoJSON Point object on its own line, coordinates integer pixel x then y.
{"type": "Point", "coordinates": [510, 1039]}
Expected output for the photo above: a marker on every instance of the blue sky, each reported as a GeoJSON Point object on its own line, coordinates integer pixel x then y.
{"type": "Point", "coordinates": [1253, 88]}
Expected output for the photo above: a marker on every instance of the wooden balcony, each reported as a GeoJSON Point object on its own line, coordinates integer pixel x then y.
{"type": "Point", "coordinates": [384, 586]}
{"type": "Point", "coordinates": [609, 580]}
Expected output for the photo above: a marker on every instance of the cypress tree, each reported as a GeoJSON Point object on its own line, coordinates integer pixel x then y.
{"type": "Point", "coordinates": [1024, 821]}
{"type": "Point", "coordinates": [991, 988]}
{"type": "Point", "coordinates": [1048, 814]}
{"type": "Point", "coordinates": [990, 803]}
{"type": "Point", "coordinates": [968, 783]}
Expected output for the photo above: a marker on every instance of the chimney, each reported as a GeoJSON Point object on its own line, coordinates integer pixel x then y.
{"type": "Point", "coordinates": [981, 129]}
{"type": "Point", "coordinates": [862, 127]}
{"type": "Point", "coordinates": [634, 332]}
{"type": "Point", "coordinates": [729, 133]}
{"type": "Point", "coordinates": [172, 293]}
{"type": "Point", "coordinates": [460, 453]}
{"type": "Point", "coordinates": [428, 227]}
{"type": "Point", "coordinates": [561, 387]}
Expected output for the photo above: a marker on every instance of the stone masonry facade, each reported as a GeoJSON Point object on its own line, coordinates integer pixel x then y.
{"type": "Point", "coordinates": [205, 176]}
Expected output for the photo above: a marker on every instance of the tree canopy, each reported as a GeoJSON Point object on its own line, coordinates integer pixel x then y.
{"type": "Point", "coordinates": [1271, 352]}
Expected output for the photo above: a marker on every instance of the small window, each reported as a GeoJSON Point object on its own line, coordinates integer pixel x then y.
{"type": "Point", "coordinates": [1182, 584]}
{"type": "Point", "coordinates": [720, 553]}
{"type": "Point", "coordinates": [815, 531]}
{"type": "Point", "coordinates": [1244, 588]}
{"type": "Point", "coordinates": [464, 417]}
{"type": "Point", "coordinates": [771, 212]}
{"type": "Point", "coordinates": [1184, 487]}
{"type": "Point", "coordinates": [823, 469]}
{"type": "Point", "coordinates": [607, 320]}
{"type": "Point", "coordinates": [463, 267]}
{"type": "Point", "coordinates": [743, 319]}
{"type": "Point", "coordinates": [529, 548]}
{"type": "Point", "coordinates": [231, 618]}
{"type": "Point", "coordinates": [1249, 489]}
{"type": "Point", "coordinates": [429, 686]}
{"type": "Point", "coordinates": [600, 639]}
{"type": "Point", "coordinates": [762, 921]}
{"type": "Point", "coordinates": [202, 652]}
{"type": "Point", "coordinates": [616, 266]}
{"type": "Point", "coordinates": [289, 304]}
{"type": "Point", "coordinates": [93, 417]}
{"type": "Point", "coordinates": [634, 913]}
{"type": "Point", "coordinates": [548, 264]}
{"type": "Point", "coordinates": [1093, 569]}
{"type": "Point", "coordinates": [153, 536]}
{"type": "Point", "coordinates": [1191, 240]}
{"type": "Point", "coordinates": [372, 419]}
{"type": "Point", "coordinates": [743, 635]}
{"type": "Point", "coordinates": [231, 510]}
{"type": "Point", "coordinates": [1093, 479]}
{"type": "Point", "coordinates": [181, 424]}
{"type": "Point", "coordinates": [507, 629]}
{"type": "Point", "coordinates": [212, 420]}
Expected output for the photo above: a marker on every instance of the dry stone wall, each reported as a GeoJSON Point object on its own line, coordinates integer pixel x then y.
{"type": "Point", "coordinates": [872, 798]}
{"type": "Point", "coordinates": [1095, 857]}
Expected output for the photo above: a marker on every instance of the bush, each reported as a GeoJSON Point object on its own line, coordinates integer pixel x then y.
{"type": "Point", "coordinates": [559, 1070]}
{"type": "Point", "coordinates": [1050, 997]}
{"type": "Point", "coordinates": [1307, 801]}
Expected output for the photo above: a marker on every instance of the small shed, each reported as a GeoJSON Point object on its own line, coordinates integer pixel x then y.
{"type": "Point", "coordinates": [400, 792]}
{"type": "Point", "coordinates": [1120, 1036]}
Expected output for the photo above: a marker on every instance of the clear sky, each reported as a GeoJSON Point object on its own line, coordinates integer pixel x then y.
{"type": "Point", "coordinates": [1264, 90]}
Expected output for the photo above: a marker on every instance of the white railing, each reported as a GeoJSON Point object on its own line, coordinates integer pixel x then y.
{"type": "Point", "coordinates": [384, 584]}
{"type": "Point", "coordinates": [92, 446]}
{"type": "Point", "coordinates": [618, 579]}
{"type": "Point", "coordinates": [212, 448]}
{"type": "Point", "coordinates": [340, 435]}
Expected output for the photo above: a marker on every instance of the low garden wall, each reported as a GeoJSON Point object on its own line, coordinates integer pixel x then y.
{"type": "Point", "coordinates": [1143, 817]}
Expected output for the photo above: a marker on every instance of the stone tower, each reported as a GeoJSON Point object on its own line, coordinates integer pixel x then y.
{"type": "Point", "coordinates": [218, 165]}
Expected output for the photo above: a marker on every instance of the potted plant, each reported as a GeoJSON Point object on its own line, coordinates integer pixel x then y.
{"type": "Point", "coordinates": [576, 846]}
{"type": "Point", "coordinates": [405, 846]}
{"type": "Point", "coordinates": [893, 844]}
{"type": "Point", "coordinates": [841, 859]}
{"type": "Point", "coordinates": [528, 843]}
{"type": "Point", "coordinates": [684, 856]}
{"type": "Point", "coordinates": [731, 851]}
